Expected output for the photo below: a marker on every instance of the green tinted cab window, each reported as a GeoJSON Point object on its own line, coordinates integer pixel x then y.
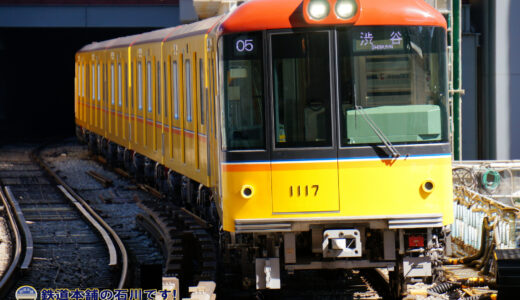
{"type": "Point", "coordinates": [301, 89]}
{"type": "Point", "coordinates": [397, 76]}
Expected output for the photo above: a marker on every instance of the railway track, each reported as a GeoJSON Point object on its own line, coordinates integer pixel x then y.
{"type": "Point", "coordinates": [65, 244]}
{"type": "Point", "coordinates": [15, 254]}
{"type": "Point", "coordinates": [113, 198]}
{"type": "Point", "coordinates": [189, 246]}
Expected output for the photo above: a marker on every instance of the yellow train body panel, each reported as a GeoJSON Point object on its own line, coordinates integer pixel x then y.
{"type": "Point", "coordinates": [142, 117]}
{"type": "Point", "coordinates": [381, 188]}
{"type": "Point", "coordinates": [365, 189]}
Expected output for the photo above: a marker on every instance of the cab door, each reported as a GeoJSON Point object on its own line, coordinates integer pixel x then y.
{"type": "Point", "coordinates": [111, 111]}
{"type": "Point", "coordinates": [304, 162]}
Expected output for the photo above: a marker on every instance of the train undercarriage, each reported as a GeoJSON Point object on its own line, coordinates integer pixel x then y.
{"type": "Point", "coordinates": [408, 256]}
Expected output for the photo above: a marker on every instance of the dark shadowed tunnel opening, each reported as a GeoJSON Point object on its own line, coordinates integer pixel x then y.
{"type": "Point", "coordinates": [37, 79]}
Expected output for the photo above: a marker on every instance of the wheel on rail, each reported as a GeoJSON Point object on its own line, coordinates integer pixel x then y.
{"type": "Point", "coordinates": [397, 284]}
{"type": "Point", "coordinates": [92, 143]}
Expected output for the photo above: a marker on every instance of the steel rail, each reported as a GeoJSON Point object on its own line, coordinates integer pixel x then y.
{"type": "Point", "coordinates": [29, 247]}
{"type": "Point", "coordinates": [155, 231]}
{"type": "Point", "coordinates": [104, 234]}
{"type": "Point", "coordinates": [9, 276]}
{"type": "Point", "coordinates": [71, 194]}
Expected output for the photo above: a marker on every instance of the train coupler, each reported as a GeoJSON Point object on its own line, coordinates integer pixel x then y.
{"type": "Point", "coordinates": [342, 243]}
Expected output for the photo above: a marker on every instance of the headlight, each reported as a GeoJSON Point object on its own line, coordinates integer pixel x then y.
{"type": "Point", "coordinates": [318, 9]}
{"type": "Point", "coordinates": [346, 9]}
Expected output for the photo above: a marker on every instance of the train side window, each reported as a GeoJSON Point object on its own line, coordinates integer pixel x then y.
{"type": "Point", "coordinates": [165, 80]}
{"type": "Point", "coordinates": [119, 87]}
{"type": "Point", "coordinates": [99, 83]}
{"type": "Point", "coordinates": [201, 90]}
{"type": "Point", "coordinates": [140, 86]}
{"type": "Point", "coordinates": [105, 82]}
{"type": "Point", "coordinates": [188, 88]}
{"type": "Point", "coordinates": [78, 80]}
{"type": "Point", "coordinates": [78, 68]}
{"type": "Point", "coordinates": [93, 82]}
{"type": "Point", "coordinates": [112, 85]}
{"type": "Point", "coordinates": [212, 97]}
{"type": "Point", "coordinates": [84, 81]}
{"type": "Point", "coordinates": [132, 83]}
{"type": "Point", "coordinates": [149, 85]}
{"type": "Point", "coordinates": [87, 81]}
{"type": "Point", "coordinates": [243, 101]}
{"type": "Point", "coordinates": [126, 85]}
{"type": "Point", "coordinates": [175, 89]}
{"type": "Point", "coordinates": [158, 88]}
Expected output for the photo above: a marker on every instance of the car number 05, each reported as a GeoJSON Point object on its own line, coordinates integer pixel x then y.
{"type": "Point", "coordinates": [245, 45]}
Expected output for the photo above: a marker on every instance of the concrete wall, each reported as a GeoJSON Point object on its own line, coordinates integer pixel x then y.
{"type": "Point", "coordinates": [514, 77]}
{"type": "Point", "coordinates": [501, 77]}
{"type": "Point", "coordinates": [507, 79]}
{"type": "Point", "coordinates": [470, 130]}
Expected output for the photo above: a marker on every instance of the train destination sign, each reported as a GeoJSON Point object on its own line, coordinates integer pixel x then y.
{"type": "Point", "coordinates": [368, 41]}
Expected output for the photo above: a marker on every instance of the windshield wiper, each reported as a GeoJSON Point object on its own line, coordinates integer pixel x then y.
{"type": "Point", "coordinates": [378, 132]}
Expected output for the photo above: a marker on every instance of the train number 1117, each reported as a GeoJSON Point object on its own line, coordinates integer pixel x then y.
{"type": "Point", "coordinates": [303, 190]}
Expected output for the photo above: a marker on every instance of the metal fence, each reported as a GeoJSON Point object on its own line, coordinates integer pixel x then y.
{"type": "Point", "coordinates": [470, 209]}
{"type": "Point", "coordinates": [499, 180]}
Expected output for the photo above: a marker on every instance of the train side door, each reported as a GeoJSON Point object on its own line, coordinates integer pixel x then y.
{"type": "Point", "coordinates": [213, 148]}
{"type": "Point", "coordinates": [140, 103]}
{"type": "Point", "coordinates": [202, 118]}
{"type": "Point", "coordinates": [97, 104]}
{"type": "Point", "coordinates": [111, 112]}
{"type": "Point", "coordinates": [104, 101]}
{"type": "Point", "coordinates": [304, 162]}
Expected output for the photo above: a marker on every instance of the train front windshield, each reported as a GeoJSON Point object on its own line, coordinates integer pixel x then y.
{"type": "Point", "coordinates": [393, 77]}
{"type": "Point", "coordinates": [396, 77]}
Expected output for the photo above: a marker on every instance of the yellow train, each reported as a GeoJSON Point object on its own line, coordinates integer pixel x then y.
{"type": "Point", "coordinates": [317, 129]}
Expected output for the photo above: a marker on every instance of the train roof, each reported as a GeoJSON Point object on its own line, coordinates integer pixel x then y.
{"type": "Point", "coordinates": [167, 34]}
{"type": "Point", "coordinates": [125, 41]}
{"type": "Point", "coordinates": [256, 15]}
{"type": "Point", "coordinates": [164, 34]}
{"type": "Point", "coordinates": [154, 36]}
{"type": "Point", "coordinates": [112, 43]}
{"type": "Point", "coordinates": [199, 27]}
{"type": "Point", "coordinates": [95, 46]}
